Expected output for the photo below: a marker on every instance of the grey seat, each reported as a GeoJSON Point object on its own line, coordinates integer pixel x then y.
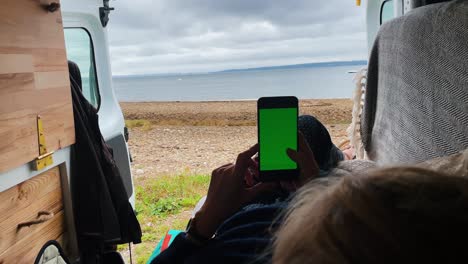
{"type": "Point", "coordinates": [416, 104]}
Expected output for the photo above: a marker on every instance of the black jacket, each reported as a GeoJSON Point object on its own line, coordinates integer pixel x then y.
{"type": "Point", "coordinates": [245, 237]}
{"type": "Point", "coordinates": [103, 215]}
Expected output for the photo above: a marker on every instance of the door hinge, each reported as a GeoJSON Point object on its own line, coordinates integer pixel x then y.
{"type": "Point", "coordinates": [104, 12]}
{"type": "Point", "coordinates": [45, 158]}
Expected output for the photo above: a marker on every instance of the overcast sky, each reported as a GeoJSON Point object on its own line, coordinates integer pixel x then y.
{"type": "Point", "coordinates": [179, 36]}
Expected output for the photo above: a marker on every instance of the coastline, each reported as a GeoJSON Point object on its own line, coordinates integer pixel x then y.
{"type": "Point", "coordinates": [171, 138]}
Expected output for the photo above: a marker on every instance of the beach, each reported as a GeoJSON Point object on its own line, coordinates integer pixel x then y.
{"type": "Point", "coordinates": [169, 141]}
{"type": "Point", "coordinates": [173, 138]}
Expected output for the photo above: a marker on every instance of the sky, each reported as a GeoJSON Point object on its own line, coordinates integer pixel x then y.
{"type": "Point", "coordinates": [192, 36]}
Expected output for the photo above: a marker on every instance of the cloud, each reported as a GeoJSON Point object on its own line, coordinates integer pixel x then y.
{"type": "Point", "coordinates": [171, 36]}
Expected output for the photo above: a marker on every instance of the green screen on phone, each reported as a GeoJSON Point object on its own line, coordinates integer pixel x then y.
{"type": "Point", "coordinates": [277, 132]}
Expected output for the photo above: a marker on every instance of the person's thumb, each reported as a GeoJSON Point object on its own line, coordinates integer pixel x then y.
{"type": "Point", "coordinates": [292, 154]}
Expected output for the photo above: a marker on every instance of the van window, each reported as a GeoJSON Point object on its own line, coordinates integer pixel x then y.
{"type": "Point", "coordinates": [387, 11]}
{"type": "Point", "coordinates": [80, 50]}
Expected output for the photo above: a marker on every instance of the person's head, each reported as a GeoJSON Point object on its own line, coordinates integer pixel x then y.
{"type": "Point", "coordinates": [317, 138]}
{"type": "Point", "coordinates": [397, 215]}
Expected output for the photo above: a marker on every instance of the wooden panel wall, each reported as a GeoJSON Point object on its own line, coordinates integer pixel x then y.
{"type": "Point", "coordinates": [33, 81]}
{"type": "Point", "coordinates": [22, 203]}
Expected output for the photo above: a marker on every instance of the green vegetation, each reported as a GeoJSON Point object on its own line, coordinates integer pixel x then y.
{"type": "Point", "coordinates": [142, 123]}
{"type": "Point", "coordinates": [163, 203]}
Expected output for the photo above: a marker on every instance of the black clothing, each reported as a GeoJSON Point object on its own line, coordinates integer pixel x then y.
{"type": "Point", "coordinates": [242, 238]}
{"type": "Point", "coordinates": [326, 153]}
{"type": "Point", "coordinates": [103, 214]}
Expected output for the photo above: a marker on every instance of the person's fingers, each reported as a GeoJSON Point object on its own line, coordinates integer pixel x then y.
{"type": "Point", "coordinates": [226, 166]}
{"type": "Point", "coordinates": [255, 172]}
{"type": "Point", "coordinates": [251, 163]}
{"type": "Point", "coordinates": [256, 158]}
{"type": "Point", "coordinates": [221, 169]}
{"type": "Point", "coordinates": [303, 146]}
{"type": "Point", "coordinates": [258, 189]}
{"type": "Point", "coordinates": [294, 155]}
{"type": "Point", "coordinates": [249, 179]}
{"type": "Point", "coordinates": [243, 156]}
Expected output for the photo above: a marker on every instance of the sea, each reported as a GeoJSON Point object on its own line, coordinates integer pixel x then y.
{"type": "Point", "coordinates": [318, 82]}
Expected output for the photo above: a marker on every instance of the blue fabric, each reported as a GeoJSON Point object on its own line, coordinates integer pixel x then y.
{"type": "Point", "coordinates": [157, 250]}
{"type": "Point", "coordinates": [243, 238]}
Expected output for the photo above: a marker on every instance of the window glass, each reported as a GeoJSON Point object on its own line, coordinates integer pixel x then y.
{"type": "Point", "coordinates": [387, 11]}
{"type": "Point", "coordinates": [80, 50]}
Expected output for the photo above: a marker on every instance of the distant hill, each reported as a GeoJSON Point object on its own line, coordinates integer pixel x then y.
{"type": "Point", "coordinates": [304, 65]}
{"type": "Point", "coordinates": [281, 67]}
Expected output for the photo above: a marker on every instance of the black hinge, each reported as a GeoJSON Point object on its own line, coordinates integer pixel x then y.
{"type": "Point", "coordinates": [126, 134]}
{"type": "Point", "coordinates": [104, 12]}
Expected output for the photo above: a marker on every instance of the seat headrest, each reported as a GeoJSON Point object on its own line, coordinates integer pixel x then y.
{"type": "Point", "coordinates": [417, 91]}
{"type": "Point", "coordinates": [419, 3]}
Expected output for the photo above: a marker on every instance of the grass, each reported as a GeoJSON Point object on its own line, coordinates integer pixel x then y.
{"type": "Point", "coordinates": [163, 203]}
{"type": "Point", "coordinates": [142, 123]}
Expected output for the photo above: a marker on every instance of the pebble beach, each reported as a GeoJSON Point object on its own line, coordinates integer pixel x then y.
{"type": "Point", "coordinates": [171, 138]}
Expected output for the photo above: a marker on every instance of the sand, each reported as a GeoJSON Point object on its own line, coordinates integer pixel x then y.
{"type": "Point", "coordinates": [197, 137]}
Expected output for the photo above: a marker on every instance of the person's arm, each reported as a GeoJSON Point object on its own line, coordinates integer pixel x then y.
{"type": "Point", "coordinates": [227, 194]}
{"type": "Point", "coordinates": [181, 248]}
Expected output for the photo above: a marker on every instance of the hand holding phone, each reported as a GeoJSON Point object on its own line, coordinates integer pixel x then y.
{"type": "Point", "coordinates": [227, 193]}
{"type": "Point", "coordinates": [277, 132]}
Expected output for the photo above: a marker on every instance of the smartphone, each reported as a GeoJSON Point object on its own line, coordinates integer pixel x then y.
{"type": "Point", "coordinates": [277, 131]}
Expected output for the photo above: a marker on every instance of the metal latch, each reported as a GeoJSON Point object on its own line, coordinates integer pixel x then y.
{"type": "Point", "coordinates": [104, 12]}
{"type": "Point", "coordinates": [45, 158]}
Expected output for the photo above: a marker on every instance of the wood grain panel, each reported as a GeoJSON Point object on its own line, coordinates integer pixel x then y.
{"type": "Point", "coordinates": [26, 193]}
{"type": "Point", "coordinates": [33, 81]}
{"type": "Point", "coordinates": [46, 80]}
{"type": "Point", "coordinates": [12, 83]}
{"type": "Point", "coordinates": [25, 24]}
{"type": "Point", "coordinates": [16, 63]}
{"type": "Point", "coordinates": [26, 249]}
{"type": "Point", "coordinates": [9, 232]}
{"type": "Point", "coordinates": [21, 204]}
{"type": "Point", "coordinates": [45, 60]}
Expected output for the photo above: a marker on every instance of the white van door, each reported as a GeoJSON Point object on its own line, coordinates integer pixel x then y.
{"type": "Point", "coordinates": [87, 45]}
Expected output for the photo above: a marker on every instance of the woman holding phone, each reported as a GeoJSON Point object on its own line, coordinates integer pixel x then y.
{"type": "Point", "coordinates": [235, 223]}
{"type": "Point", "coordinates": [377, 217]}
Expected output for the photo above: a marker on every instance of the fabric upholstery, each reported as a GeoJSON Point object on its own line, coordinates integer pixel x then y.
{"type": "Point", "coordinates": [454, 165]}
{"type": "Point", "coordinates": [416, 104]}
{"type": "Point", "coordinates": [51, 253]}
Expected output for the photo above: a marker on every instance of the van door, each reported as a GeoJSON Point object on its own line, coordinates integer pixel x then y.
{"type": "Point", "coordinates": [379, 12]}
{"type": "Point", "coordinates": [87, 45]}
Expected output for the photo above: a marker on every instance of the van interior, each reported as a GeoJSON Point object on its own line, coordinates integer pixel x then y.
{"type": "Point", "coordinates": [65, 162]}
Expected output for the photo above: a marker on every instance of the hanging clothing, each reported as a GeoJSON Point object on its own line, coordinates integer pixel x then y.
{"type": "Point", "coordinates": [102, 212]}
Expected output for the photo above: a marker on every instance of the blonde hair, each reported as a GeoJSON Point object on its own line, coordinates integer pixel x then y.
{"type": "Point", "coordinates": [397, 215]}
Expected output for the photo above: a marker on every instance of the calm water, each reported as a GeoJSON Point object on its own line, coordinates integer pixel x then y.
{"type": "Point", "coordinates": [304, 83]}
